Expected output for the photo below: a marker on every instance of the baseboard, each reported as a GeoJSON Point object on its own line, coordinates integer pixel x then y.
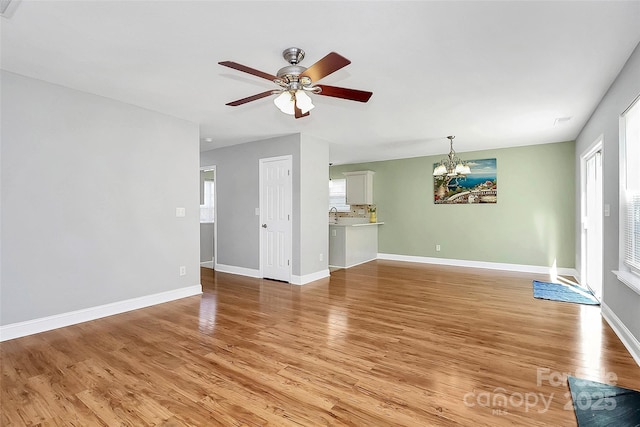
{"type": "Point", "coordinates": [479, 264]}
{"type": "Point", "coordinates": [250, 272]}
{"type": "Point", "coordinates": [29, 327]}
{"type": "Point", "coordinates": [357, 263]}
{"type": "Point", "coordinates": [307, 278]}
{"type": "Point", "coordinates": [207, 264]}
{"type": "Point", "coordinates": [242, 271]}
{"type": "Point", "coordinates": [630, 342]}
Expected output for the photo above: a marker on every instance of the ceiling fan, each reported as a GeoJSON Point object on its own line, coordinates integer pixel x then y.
{"type": "Point", "coordinates": [295, 81]}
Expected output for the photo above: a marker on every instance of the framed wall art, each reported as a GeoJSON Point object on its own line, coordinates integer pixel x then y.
{"type": "Point", "coordinates": [478, 186]}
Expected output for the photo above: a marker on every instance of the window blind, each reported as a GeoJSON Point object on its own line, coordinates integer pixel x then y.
{"type": "Point", "coordinates": [632, 238]}
{"type": "Point", "coordinates": [338, 195]}
{"type": "Point", "coordinates": [631, 188]}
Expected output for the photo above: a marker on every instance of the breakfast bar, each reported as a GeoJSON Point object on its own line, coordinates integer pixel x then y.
{"type": "Point", "coordinates": [352, 243]}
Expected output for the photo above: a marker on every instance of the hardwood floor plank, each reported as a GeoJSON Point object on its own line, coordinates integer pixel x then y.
{"type": "Point", "coordinates": [382, 343]}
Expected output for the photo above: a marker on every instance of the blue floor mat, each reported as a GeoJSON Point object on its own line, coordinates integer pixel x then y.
{"type": "Point", "coordinates": [564, 293]}
{"type": "Point", "coordinates": [599, 405]}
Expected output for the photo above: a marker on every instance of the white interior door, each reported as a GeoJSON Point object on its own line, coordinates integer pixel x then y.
{"type": "Point", "coordinates": [592, 222]}
{"type": "Point", "coordinates": [275, 218]}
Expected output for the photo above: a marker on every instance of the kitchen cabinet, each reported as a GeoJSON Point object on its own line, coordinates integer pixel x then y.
{"type": "Point", "coordinates": [359, 187]}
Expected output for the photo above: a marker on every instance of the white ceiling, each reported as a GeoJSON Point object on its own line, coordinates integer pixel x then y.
{"type": "Point", "coordinates": [495, 74]}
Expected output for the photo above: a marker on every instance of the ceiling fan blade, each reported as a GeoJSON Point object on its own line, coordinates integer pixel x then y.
{"type": "Point", "coordinates": [251, 98]}
{"type": "Point", "coordinates": [327, 65]}
{"type": "Point", "coordinates": [344, 93]}
{"type": "Point", "coordinates": [249, 70]}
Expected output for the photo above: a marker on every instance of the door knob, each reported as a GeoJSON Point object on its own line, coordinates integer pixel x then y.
{"type": "Point", "coordinates": [264, 225]}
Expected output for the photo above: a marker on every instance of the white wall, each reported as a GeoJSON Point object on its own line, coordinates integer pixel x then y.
{"type": "Point", "coordinates": [207, 230]}
{"type": "Point", "coordinates": [619, 298]}
{"type": "Point", "coordinates": [89, 193]}
{"type": "Point", "coordinates": [314, 203]}
{"type": "Point", "coordinates": [238, 194]}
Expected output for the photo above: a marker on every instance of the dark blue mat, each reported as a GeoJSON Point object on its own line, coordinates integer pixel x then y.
{"type": "Point", "coordinates": [564, 293]}
{"type": "Point", "coordinates": [599, 405]}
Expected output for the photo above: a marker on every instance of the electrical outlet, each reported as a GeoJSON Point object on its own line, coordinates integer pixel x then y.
{"type": "Point", "coordinates": [321, 257]}
{"type": "Point", "coordinates": [437, 248]}
{"type": "Point", "coordinates": [180, 212]}
{"type": "Point", "coordinates": [183, 270]}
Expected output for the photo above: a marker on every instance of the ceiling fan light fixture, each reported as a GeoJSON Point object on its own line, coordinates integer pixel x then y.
{"type": "Point", "coordinates": [285, 102]}
{"type": "Point", "coordinates": [304, 102]}
{"type": "Point", "coordinates": [294, 80]}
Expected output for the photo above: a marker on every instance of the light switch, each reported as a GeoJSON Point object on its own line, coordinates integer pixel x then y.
{"type": "Point", "coordinates": [180, 212]}
{"type": "Point", "coordinates": [257, 211]}
{"type": "Point", "coordinates": [607, 210]}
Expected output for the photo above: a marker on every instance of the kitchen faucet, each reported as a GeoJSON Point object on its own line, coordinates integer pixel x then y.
{"type": "Point", "coordinates": [335, 221]}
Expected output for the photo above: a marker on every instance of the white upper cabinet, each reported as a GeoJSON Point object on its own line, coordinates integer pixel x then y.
{"type": "Point", "coordinates": [359, 187]}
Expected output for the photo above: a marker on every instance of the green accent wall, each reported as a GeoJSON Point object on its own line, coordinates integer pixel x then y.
{"type": "Point", "coordinates": [533, 222]}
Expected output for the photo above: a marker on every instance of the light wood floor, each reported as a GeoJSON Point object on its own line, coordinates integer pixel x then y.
{"type": "Point", "coordinates": [383, 343]}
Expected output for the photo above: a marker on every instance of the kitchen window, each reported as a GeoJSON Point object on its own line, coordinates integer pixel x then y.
{"type": "Point", "coordinates": [338, 195]}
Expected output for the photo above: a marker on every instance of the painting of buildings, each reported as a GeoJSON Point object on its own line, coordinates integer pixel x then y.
{"type": "Point", "coordinates": [479, 186]}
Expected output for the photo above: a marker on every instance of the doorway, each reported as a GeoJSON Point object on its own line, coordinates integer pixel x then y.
{"type": "Point", "coordinates": [275, 218]}
{"type": "Point", "coordinates": [208, 223]}
{"type": "Point", "coordinates": [592, 217]}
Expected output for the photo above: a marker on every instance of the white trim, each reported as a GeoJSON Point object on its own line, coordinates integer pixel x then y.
{"type": "Point", "coordinates": [242, 271]}
{"type": "Point", "coordinates": [625, 335]}
{"type": "Point", "coordinates": [208, 264]}
{"type": "Point", "coordinates": [629, 279]}
{"type": "Point", "coordinates": [596, 145]}
{"type": "Point", "coordinates": [307, 278]}
{"type": "Point", "coordinates": [480, 264]}
{"type": "Point", "coordinates": [11, 7]}
{"type": "Point", "coordinates": [29, 327]}
{"type": "Point", "coordinates": [250, 272]}
{"type": "Point", "coordinates": [362, 262]}
{"type": "Point", "coordinates": [215, 213]}
{"type": "Point", "coordinates": [623, 267]}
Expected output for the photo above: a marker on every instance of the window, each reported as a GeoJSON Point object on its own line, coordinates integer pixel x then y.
{"type": "Point", "coordinates": [338, 195]}
{"type": "Point", "coordinates": [207, 209]}
{"type": "Point", "coordinates": [630, 186]}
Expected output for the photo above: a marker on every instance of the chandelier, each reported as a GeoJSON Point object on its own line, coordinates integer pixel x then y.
{"type": "Point", "coordinates": [451, 165]}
